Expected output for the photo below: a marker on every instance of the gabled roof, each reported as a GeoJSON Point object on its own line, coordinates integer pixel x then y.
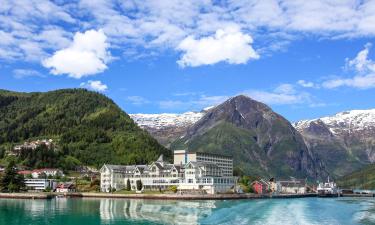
{"type": "Point", "coordinates": [161, 158]}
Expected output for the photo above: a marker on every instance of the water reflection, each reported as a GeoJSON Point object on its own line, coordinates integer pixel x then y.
{"type": "Point", "coordinates": [165, 212]}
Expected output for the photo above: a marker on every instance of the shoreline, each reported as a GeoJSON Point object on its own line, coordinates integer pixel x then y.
{"type": "Point", "coordinates": [165, 196]}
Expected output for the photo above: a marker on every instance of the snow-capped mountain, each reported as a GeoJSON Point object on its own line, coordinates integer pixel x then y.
{"type": "Point", "coordinates": [348, 122]}
{"type": "Point", "coordinates": [345, 141]}
{"type": "Point", "coordinates": [163, 120]}
{"type": "Point", "coordinates": [167, 127]}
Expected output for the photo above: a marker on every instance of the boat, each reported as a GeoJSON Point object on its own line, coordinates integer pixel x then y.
{"type": "Point", "coordinates": [327, 189]}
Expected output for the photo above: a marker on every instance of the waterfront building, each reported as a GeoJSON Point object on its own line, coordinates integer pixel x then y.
{"type": "Point", "coordinates": [159, 175]}
{"type": "Point", "coordinates": [205, 177]}
{"type": "Point", "coordinates": [65, 188]}
{"type": "Point", "coordinates": [294, 186]}
{"type": "Point", "coordinates": [182, 157]}
{"type": "Point", "coordinates": [37, 185]}
{"type": "Point", "coordinates": [194, 176]}
{"type": "Point", "coordinates": [261, 187]}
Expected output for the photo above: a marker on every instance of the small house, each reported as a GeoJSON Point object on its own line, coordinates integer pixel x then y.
{"type": "Point", "coordinates": [65, 188]}
{"type": "Point", "coordinates": [294, 186]}
{"type": "Point", "coordinates": [260, 187]}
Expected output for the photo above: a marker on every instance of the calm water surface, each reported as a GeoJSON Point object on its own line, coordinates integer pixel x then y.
{"type": "Point", "coordinates": [120, 211]}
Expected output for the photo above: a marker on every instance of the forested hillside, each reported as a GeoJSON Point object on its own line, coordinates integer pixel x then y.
{"type": "Point", "coordinates": [87, 126]}
{"type": "Point", "coordinates": [360, 179]}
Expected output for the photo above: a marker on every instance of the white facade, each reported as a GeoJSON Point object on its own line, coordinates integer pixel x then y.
{"type": "Point", "coordinates": [47, 171]}
{"type": "Point", "coordinates": [39, 184]}
{"type": "Point", "coordinates": [292, 187]}
{"type": "Point", "coordinates": [207, 177]}
{"type": "Point", "coordinates": [224, 162]}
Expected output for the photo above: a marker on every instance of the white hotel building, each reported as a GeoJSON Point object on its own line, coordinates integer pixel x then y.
{"type": "Point", "coordinates": [190, 172]}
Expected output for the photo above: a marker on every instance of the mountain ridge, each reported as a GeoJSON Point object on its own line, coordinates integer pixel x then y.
{"type": "Point", "coordinates": [87, 125]}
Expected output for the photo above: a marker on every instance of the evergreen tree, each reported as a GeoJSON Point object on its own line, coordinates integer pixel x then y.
{"type": "Point", "coordinates": [139, 185]}
{"type": "Point", "coordinates": [12, 181]}
{"type": "Point", "coordinates": [128, 187]}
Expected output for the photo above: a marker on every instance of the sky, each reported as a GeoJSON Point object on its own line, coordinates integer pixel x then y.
{"type": "Point", "coordinates": [305, 59]}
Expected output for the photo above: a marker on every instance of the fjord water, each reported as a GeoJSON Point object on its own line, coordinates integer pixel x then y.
{"type": "Point", "coordinates": [123, 211]}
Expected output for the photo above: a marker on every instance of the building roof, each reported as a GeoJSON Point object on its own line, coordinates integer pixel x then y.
{"type": "Point", "coordinates": [44, 169]}
{"type": "Point", "coordinates": [25, 172]}
{"type": "Point", "coordinates": [261, 182]}
{"type": "Point", "coordinates": [66, 185]}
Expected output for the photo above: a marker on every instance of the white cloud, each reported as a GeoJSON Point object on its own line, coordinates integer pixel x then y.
{"type": "Point", "coordinates": [23, 73]}
{"type": "Point", "coordinates": [360, 81]}
{"type": "Point", "coordinates": [31, 30]}
{"type": "Point", "coordinates": [284, 94]}
{"type": "Point", "coordinates": [95, 85]}
{"type": "Point", "coordinates": [364, 69]}
{"type": "Point", "coordinates": [87, 55]}
{"type": "Point", "coordinates": [229, 45]}
{"type": "Point", "coordinates": [361, 63]}
{"type": "Point", "coordinates": [306, 84]}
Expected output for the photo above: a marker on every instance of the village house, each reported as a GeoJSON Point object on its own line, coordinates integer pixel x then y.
{"type": "Point", "coordinates": [42, 173]}
{"type": "Point", "coordinates": [65, 188]}
{"type": "Point", "coordinates": [32, 145]}
{"type": "Point", "coordinates": [187, 175]}
{"type": "Point", "coordinates": [260, 187]}
{"type": "Point", "coordinates": [294, 186]}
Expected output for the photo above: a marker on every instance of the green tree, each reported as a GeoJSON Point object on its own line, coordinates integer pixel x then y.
{"type": "Point", "coordinates": [12, 181]}
{"type": "Point", "coordinates": [173, 189]}
{"type": "Point", "coordinates": [139, 185]}
{"type": "Point", "coordinates": [128, 186]}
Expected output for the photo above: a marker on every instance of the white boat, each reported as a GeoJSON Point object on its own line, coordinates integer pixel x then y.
{"type": "Point", "coordinates": [327, 189]}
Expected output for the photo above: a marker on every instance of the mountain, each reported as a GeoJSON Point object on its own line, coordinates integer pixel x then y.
{"type": "Point", "coordinates": [361, 179]}
{"type": "Point", "coordinates": [345, 141]}
{"type": "Point", "coordinates": [167, 127]}
{"type": "Point", "coordinates": [261, 141]}
{"type": "Point", "coordinates": [86, 125]}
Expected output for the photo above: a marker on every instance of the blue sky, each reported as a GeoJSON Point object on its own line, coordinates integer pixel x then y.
{"type": "Point", "coordinates": [305, 59]}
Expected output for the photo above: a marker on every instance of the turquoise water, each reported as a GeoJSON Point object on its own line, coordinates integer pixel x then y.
{"type": "Point", "coordinates": [121, 211]}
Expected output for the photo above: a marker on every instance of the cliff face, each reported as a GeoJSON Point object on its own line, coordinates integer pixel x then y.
{"type": "Point", "coordinates": [345, 141]}
{"type": "Point", "coordinates": [260, 140]}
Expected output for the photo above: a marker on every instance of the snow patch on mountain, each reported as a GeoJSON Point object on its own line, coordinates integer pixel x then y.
{"type": "Point", "coordinates": [354, 120]}
{"type": "Point", "coordinates": [159, 121]}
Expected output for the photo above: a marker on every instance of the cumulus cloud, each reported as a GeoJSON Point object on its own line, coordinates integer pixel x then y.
{"type": "Point", "coordinates": [31, 30]}
{"type": "Point", "coordinates": [229, 45]}
{"type": "Point", "coordinates": [87, 55]}
{"type": "Point", "coordinates": [364, 69]}
{"type": "Point", "coordinates": [95, 85]}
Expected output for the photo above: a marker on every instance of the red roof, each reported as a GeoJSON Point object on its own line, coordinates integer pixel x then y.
{"type": "Point", "coordinates": [25, 172]}
{"type": "Point", "coordinates": [44, 169]}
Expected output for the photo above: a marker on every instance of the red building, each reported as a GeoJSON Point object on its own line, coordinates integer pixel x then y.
{"type": "Point", "coordinates": [260, 187]}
